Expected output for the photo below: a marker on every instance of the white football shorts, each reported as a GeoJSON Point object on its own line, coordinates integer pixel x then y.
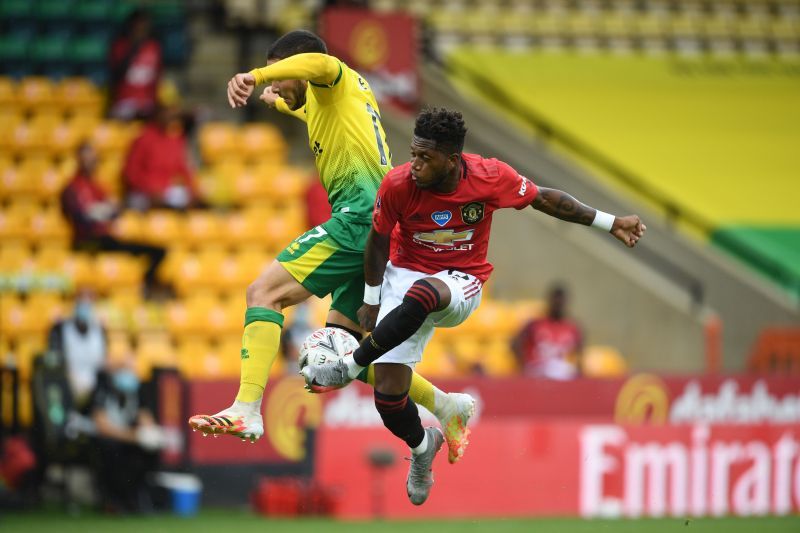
{"type": "Point", "coordinates": [465, 291]}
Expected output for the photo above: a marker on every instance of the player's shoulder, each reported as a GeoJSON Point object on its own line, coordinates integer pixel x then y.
{"type": "Point", "coordinates": [487, 168]}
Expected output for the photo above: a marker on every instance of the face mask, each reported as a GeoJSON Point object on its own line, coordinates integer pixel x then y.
{"type": "Point", "coordinates": [83, 312]}
{"type": "Point", "coordinates": [126, 381]}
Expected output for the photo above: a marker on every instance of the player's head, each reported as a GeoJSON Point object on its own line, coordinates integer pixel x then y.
{"type": "Point", "coordinates": [436, 147]}
{"type": "Point", "coordinates": [87, 159]}
{"type": "Point", "coordinates": [293, 43]}
{"type": "Point", "coordinates": [557, 301]}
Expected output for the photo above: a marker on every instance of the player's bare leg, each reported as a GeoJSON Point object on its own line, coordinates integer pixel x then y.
{"type": "Point", "coordinates": [274, 290]}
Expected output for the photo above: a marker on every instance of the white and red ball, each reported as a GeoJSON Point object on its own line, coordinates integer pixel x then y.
{"type": "Point", "coordinates": [326, 346]}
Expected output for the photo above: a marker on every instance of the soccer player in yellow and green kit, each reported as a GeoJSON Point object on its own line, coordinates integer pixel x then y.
{"type": "Point", "coordinates": [347, 138]}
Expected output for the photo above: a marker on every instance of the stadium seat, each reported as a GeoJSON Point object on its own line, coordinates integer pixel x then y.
{"type": "Point", "coordinates": [251, 184]}
{"type": "Point", "coordinates": [288, 184]}
{"type": "Point", "coordinates": [8, 93]}
{"type": "Point", "coordinates": [49, 226]}
{"type": "Point", "coordinates": [119, 346]}
{"type": "Point", "coordinates": [163, 227]}
{"type": "Point", "coordinates": [79, 96]}
{"type": "Point", "coordinates": [36, 94]}
{"type": "Point", "coordinates": [218, 141]}
{"type": "Point", "coordinates": [603, 362]}
{"type": "Point", "coordinates": [154, 350]}
{"type": "Point", "coordinates": [190, 316]}
{"type": "Point", "coordinates": [262, 142]}
{"type": "Point", "coordinates": [114, 270]}
{"type": "Point", "coordinates": [79, 268]}
{"type": "Point", "coordinates": [13, 227]}
{"type": "Point", "coordinates": [203, 228]}
{"type": "Point", "coordinates": [110, 138]}
{"type": "Point", "coordinates": [129, 226]}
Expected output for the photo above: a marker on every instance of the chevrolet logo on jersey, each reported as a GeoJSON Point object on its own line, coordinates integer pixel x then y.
{"type": "Point", "coordinates": [445, 237]}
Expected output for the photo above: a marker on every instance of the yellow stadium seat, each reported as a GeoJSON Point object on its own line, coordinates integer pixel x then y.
{"type": "Point", "coordinates": [10, 120]}
{"type": "Point", "coordinates": [16, 257]}
{"type": "Point", "coordinates": [8, 92]}
{"type": "Point", "coordinates": [260, 142]}
{"type": "Point", "coordinates": [110, 137]}
{"type": "Point", "coordinates": [237, 271]}
{"type": "Point", "coordinates": [64, 138]}
{"type": "Point", "coordinates": [229, 349]}
{"type": "Point", "coordinates": [114, 270]}
{"type": "Point", "coordinates": [84, 124]}
{"type": "Point", "coordinates": [603, 362]}
{"type": "Point", "coordinates": [129, 226]}
{"type": "Point", "coordinates": [109, 174]}
{"type": "Point", "coordinates": [189, 316]}
{"type": "Point", "coordinates": [215, 190]}
{"type": "Point", "coordinates": [190, 352]}
{"type": "Point", "coordinates": [79, 96]}
{"type": "Point", "coordinates": [35, 93]}
{"type": "Point", "coordinates": [203, 227]}
{"type": "Point", "coordinates": [20, 320]}
{"type": "Point", "coordinates": [80, 269]}
{"type": "Point", "coordinates": [288, 184]}
{"type": "Point", "coordinates": [242, 227]}
{"type": "Point", "coordinates": [26, 350]}
{"type": "Point", "coordinates": [252, 184]}
{"type": "Point", "coordinates": [24, 179]}
{"type": "Point", "coordinates": [49, 225]}
{"type": "Point", "coordinates": [154, 349]}
{"type": "Point", "coordinates": [163, 227]}
{"type": "Point", "coordinates": [13, 227]}
{"type": "Point", "coordinates": [48, 307]}
{"type": "Point", "coordinates": [437, 361]}
{"type": "Point", "coordinates": [197, 271]}
{"type": "Point", "coordinates": [218, 142]}
{"type": "Point", "coordinates": [119, 346]}
{"type": "Point", "coordinates": [499, 361]}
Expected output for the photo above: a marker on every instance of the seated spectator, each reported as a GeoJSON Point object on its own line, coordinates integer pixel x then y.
{"type": "Point", "coordinates": [81, 341]}
{"type": "Point", "coordinates": [127, 440]}
{"type": "Point", "coordinates": [157, 171]}
{"type": "Point", "coordinates": [90, 211]}
{"type": "Point", "coordinates": [135, 61]}
{"type": "Point", "coordinates": [550, 347]}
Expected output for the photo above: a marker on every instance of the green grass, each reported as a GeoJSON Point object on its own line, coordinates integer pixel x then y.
{"type": "Point", "coordinates": [242, 521]}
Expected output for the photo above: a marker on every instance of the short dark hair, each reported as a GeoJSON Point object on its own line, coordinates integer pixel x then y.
{"type": "Point", "coordinates": [445, 128]}
{"type": "Point", "coordinates": [296, 42]}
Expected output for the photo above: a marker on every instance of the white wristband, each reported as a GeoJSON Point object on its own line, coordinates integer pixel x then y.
{"type": "Point", "coordinates": [372, 295]}
{"type": "Point", "coordinates": [604, 221]}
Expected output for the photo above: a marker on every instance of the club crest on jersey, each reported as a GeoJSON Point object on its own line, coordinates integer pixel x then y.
{"type": "Point", "coordinates": [472, 213]}
{"type": "Point", "coordinates": [442, 217]}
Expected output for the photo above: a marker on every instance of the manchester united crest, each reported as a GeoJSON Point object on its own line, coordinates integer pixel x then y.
{"type": "Point", "coordinates": [472, 213]}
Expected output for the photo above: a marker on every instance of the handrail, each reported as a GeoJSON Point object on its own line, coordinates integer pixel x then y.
{"type": "Point", "coordinates": [496, 93]}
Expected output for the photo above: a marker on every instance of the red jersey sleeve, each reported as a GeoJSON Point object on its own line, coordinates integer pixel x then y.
{"type": "Point", "coordinates": [389, 204]}
{"type": "Point", "coordinates": [513, 189]}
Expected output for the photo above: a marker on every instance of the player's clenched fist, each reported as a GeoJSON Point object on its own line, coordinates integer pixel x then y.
{"type": "Point", "coordinates": [628, 229]}
{"type": "Point", "coordinates": [240, 88]}
{"type": "Point", "coordinates": [269, 96]}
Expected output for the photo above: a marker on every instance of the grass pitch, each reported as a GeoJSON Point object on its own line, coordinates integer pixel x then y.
{"type": "Point", "coordinates": [240, 521]}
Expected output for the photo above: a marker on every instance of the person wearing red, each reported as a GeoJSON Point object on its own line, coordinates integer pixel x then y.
{"type": "Point", "coordinates": [91, 212]}
{"type": "Point", "coordinates": [550, 347]}
{"type": "Point", "coordinates": [135, 62]}
{"type": "Point", "coordinates": [425, 265]}
{"type": "Point", "coordinates": [157, 172]}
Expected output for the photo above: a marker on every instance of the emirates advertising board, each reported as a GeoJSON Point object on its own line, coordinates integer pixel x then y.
{"type": "Point", "coordinates": [641, 446]}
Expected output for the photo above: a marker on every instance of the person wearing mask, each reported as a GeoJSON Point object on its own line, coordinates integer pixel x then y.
{"type": "Point", "coordinates": [127, 439]}
{"type": "Point", "coordinates": [91, 212]}
{"type": "Point", "coordinates": [82, 343]}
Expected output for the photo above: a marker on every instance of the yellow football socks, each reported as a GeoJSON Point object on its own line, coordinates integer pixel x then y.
{"type": "Point", "coordinates": [260, 345]}
{"type": "Point", "coordinates": [421, 392]}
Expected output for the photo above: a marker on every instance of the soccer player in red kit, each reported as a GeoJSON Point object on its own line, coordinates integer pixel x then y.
{"type": "Point", "coordinates": [425, 265]}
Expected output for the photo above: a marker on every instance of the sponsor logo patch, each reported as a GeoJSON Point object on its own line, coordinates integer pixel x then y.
{"type": "Point", "coordinates": [442, 217]}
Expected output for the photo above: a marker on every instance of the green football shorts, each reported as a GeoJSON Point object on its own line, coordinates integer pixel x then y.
{"type": "Point", "coordinates": [329, 259]}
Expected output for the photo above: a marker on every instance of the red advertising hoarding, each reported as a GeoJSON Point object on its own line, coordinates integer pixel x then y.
{"type": "Point", "coordinates": [382, 47]}
{"type": "Point", "coordinates": [641, 446]}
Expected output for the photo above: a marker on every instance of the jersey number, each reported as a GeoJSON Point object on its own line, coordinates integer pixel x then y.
{"type": "Point", "coordinates": [376, 120]}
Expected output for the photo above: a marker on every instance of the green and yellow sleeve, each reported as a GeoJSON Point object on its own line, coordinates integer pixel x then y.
{"type": "Point", "coordinates": [320, 69]}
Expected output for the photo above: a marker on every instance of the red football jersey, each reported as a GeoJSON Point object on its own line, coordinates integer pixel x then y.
{"type": "Point", "coordinates": [432, 231]}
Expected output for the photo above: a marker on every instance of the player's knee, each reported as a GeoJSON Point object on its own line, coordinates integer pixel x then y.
{"type": "Point", "coordinates": [390, 404]}
{"type": "Point", "coordinates": [258, 293]}
{"type": "Point", "coordinates": [421, 299]}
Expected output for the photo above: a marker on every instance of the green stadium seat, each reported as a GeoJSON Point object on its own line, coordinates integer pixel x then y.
{"type": "Point", "coordinates": [53, 10]}
{"type": "Point", "coordinates": [49, 48]}
{"type": "Point", "coordinates": [95, 11]}
{"type": "Point", "coordinates": [14, 47]}
{"type": "Point", "coordinates": [13, 11]}
{"type": "Point", "coordinates": [88, 50]}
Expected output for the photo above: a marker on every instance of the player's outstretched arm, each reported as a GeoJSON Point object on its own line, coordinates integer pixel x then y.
{"type": "Point", "coordinates": [376, 255]}
{"type": "Point", "coordinates": [628, 229]}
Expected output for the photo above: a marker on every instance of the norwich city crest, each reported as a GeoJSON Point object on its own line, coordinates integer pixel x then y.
{"type": "Point", "coordinates": [472, 213]}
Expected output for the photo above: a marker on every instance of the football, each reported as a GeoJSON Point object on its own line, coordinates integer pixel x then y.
{"type": "Point", "coordinates": [326, 345]}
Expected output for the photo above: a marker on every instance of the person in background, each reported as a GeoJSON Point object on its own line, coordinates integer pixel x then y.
{"type": "Point", "coordinates": [81, 341]}
{"type": "Point", "coordinates": [157, 172]}
{"type": "Point", "coordinates": [135, 63]}
{"type": "Point", "coordinates": [551, 346]}
{"type": "Point", "coordinates": [127, 439]}
{"type": "Point", "coordinates": [91, 212]}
